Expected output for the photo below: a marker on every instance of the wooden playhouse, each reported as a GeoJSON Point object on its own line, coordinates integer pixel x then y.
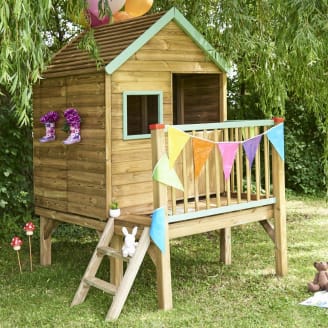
{"type": "Point", "coordinates": [156, 70]}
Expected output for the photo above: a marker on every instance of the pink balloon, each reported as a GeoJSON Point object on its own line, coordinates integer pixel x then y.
{"type": "Point", "coordinates": [114, 5]}
{"type": "Point", "coordinates": [95, 20]}
{"type": "Point", "coordinates": [93, 6]}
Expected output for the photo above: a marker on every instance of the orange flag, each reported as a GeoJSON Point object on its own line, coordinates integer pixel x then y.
{"type": "Point", "coordinates": [176, 141]}
{"type": "Point", "coordinates": [201, 149]}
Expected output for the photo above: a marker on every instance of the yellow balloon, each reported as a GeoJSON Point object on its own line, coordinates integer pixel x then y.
{"type": "Point", "coordinates": [137, 8]}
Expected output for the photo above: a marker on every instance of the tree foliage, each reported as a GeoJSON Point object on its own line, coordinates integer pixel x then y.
{"type": "Point", "coordinates": [29, 30]}
{"type": "Point", "coordinates": [277, 49]}
{"type": "Point", "coordinates": [15, 170]}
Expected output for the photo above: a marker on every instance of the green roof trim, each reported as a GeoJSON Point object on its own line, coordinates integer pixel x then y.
{"type": "Point", "coordinates": [172, 14]}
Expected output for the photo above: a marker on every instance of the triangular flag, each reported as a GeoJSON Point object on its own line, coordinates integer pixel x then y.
{"type": "Point", "coordinates": [157, 228]}
{"type": "Point", "coordinates": [176, 141]}
{"type": "Point", "coordinates": [201, 150]}
{"type": "Point", "coordinates": [228, 153]}
{"type": "Point", "coordinates": [276, 137]}
{"type": "Point", "coordinates": [164, 174]}
{"type": "Point", "coordinates": [250, 147]}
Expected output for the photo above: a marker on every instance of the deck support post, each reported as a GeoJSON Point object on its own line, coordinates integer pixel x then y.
{"type": "Point", "coordinates": [47, 226]}
{"type": "Point", "coordinates": [116, 264]}
{"type": "Point", "coordinates": [161, 260]}
{"type": "Point", "coordinates": [225, 245]}
{"type": "Point", "coordinates": [279, 212]}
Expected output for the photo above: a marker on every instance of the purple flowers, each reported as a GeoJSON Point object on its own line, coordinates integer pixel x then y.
{"type": "Point", "coordinates": [72, 117]}
{"type": "Point", "coordinates": [49, 117]}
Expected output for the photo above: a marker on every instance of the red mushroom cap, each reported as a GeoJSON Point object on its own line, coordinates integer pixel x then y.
{"type": "Point", "coordinates": [16, 241]}
{"type": "Point", "coordinates": [29, 226]}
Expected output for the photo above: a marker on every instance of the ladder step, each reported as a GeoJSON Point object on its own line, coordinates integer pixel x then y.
{"type": "Point", "coordinates": [109, 251]}
{"type": "Point", "coordinates": [101, 284]}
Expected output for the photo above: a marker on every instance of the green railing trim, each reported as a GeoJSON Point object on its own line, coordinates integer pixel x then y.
{"type": "Point", "coordinates": [220, 210]}
{"type": "Point", "coordinates": [223, 125]}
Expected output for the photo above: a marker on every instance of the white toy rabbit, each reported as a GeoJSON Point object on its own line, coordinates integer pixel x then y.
{"type": "Point", "coordinates": [130, 244]}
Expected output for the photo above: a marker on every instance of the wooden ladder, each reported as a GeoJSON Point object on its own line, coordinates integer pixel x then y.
{"type": "Point", "coordinates": [120, 292]}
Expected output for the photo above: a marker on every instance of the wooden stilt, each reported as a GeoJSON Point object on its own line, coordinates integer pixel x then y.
{"type": "Point", "coordinates": [280, 237]}
{"type": "Point", "coordinates": [47, 226]}
{"type": "Point", "coordinates": [225, 245]}
{"type": "Point", "coordinates": [116, 264]}
{"type": "Point", "coordinates": [163, 269]}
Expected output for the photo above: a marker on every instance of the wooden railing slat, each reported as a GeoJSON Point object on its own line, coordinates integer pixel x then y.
{"type": "Point", "coordinates": [245, 183]}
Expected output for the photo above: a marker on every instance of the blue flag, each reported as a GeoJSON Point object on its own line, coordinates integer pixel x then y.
{"type": "Point", "coordinates": [276, 137]}
{"type": "Point", "coordinates": [157, 228]}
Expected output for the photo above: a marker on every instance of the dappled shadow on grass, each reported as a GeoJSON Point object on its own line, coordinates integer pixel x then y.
{"type": "Point", "coordinates": [206, 293]}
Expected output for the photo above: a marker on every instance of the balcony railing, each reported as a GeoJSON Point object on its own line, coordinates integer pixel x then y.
{"type": "Point", "coordinates": [231, 145]}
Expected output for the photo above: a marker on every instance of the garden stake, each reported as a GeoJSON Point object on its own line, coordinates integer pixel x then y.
{"type": "Point", "coordinates": [16, 243]}
{"type": "Point", "coordinates": [29, 228]}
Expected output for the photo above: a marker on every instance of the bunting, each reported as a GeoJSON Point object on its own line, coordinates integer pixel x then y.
{"type": "Point", "coordinates": [201, 151]}
{"type": "Point", "coordinates": [228, 152]}
{"type": "Point", "coordinates": [165, 174]}
{"type": "Point", "coordinates": [177, 139]}
{"type": "Point", "coordinates": [250, 147]}
{"type": "Point", "coordinates": [276, 137]}
{"type": "Point", "coordinates": [157, 228]}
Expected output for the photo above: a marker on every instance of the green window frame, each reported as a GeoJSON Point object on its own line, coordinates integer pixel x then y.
{"type": "Point", "coordinates": [138, 113]}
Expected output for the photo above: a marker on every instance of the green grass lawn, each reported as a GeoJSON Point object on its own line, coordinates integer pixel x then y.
{"type": "Point", "coordinates": [206, 293]}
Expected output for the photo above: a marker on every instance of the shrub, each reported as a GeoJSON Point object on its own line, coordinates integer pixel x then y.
{"type": "Point", "coordinates": [304, 151]}
{"type": "Point", "coordinates": [15, 170]}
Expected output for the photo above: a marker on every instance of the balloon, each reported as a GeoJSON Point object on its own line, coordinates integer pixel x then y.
{"type": "Point", "coordinates": [137, 8]}
{"type": "Point", "coordinates": [95, 20]}
{"type": "Point", "coordinates": [93, 11]}
{"type": "Point", "coordinates": [121, 16]}
{"type": "Point", "coordinates": [114, 5]}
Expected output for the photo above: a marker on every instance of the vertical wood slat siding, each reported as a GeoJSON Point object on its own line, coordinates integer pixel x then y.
{"type": "Point", "coordinates": [49, 160]}
{"type": "Point", "coordinates": [82, 165]}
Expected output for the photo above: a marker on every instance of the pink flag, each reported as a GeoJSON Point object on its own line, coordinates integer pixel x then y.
{"type": "Point", "coordinates": [228, 153]}
{"type": "Point", "coordinates": [250, 147]}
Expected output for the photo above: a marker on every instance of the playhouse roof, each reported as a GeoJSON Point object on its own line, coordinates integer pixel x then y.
{"type": "Point", "coordinates": [118, 42]}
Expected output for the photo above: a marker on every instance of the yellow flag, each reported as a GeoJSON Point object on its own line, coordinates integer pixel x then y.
{"type": "Point", "coordinates": [201, 149]}
{"type": "Point", "coordinates": [176, 141]}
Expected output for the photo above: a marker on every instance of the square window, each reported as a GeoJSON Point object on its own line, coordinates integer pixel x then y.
{"type": "Point", "coordinates": [140, 110]}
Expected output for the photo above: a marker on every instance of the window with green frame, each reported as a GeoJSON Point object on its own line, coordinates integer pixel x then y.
{"type": "Point", "coordinates": [140, 109]}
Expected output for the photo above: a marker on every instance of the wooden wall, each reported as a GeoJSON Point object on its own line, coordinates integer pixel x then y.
{"type": "Point", "coordinates": [151, 68]}
{"type": "Point", "coordinates": [82, 178]}
{"type": "Point", "coordinates": [71, 178]}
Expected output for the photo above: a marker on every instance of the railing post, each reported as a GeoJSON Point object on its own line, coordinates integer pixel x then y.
{"type": "Point", "coordinates": [278, 181]}
{"type": "Point", "coordinates": [160, 199]}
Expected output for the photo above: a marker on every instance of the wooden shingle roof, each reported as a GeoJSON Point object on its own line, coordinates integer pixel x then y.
{"type": "Point", "coordinates": [111, 39]}
{"type": "Point", "coordinates": [118, 42]}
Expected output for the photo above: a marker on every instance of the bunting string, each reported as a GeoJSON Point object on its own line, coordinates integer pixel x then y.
{"type": "Point", "coordinates": [202, 147]}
